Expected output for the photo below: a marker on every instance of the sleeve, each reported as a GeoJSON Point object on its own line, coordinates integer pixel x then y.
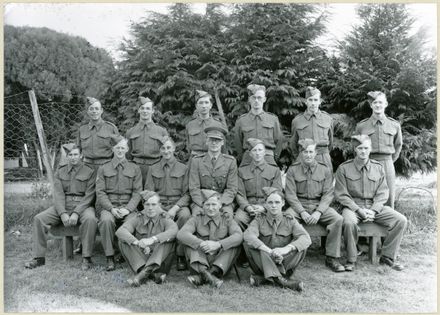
{"type": "Point", "coordinates": [279, 139]}
{"type": "Point", "coordinates": [230, 192]}
{"type": "Point", "coordinates": [149, 182]}
{"type": "Point", "coordinates": [341, 193]}
{"type": "Point", "coordinates": [397, 144]}
{"type": "Point", "coordinates": [251, 234]}
{"type": "Point", "coordinates": [185, 199]}
{"type": "Point", "coordinates": [277, 181]}
{"type": "Point", "coordinates": [291, 197]}
{"type": "Point", "coordinates": [194, 183]}
{"type": "Point", "coordinates": [186, 234]}
{"type": "Point", "coordinates": [89, 195]}
{"type": "Point", "coordinates": [328, 191]}
{"type": "Point", "coordinates": [294, 142]}
{"type": "Point", "coordinates": [59, 198]}
{"type": "Point", "coordinates": [125, 232]}
{"type": "Point", "coordinates": [170, 232]}
{"type": "Point", "coordinates": [235, 237]}
{"type": "Point", "coordinates": [241, 195]}
{"type": "Point", "coordinates": [382, 193]}
{"type": "Point", "coordinates": [330, 136]}
{"type": "Point", "coordinates": [301, 239]}
{"type": "Point", "coordinates": [188, 149]}
{"type": "Point", "coordinates": [130, 145]}
{"type": "Point", "coordinates": [238, 140]}
{"type": "Point", "coordinates": [101, 196]}
{"type": "Point", "coordinates": [137, 188]}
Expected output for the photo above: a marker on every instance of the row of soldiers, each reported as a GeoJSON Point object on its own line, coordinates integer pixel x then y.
{"type": "Point", "coordinates": [99, 162]}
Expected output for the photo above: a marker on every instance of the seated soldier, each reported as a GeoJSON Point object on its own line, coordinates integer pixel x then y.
{"type": "Point", "coordinates": [74, 193]}
{"type": "Point", "coordinates": [212, 242]}
{"type": "Point", "coordinates": [147, 241]}
{"type": "Point", "coordinates": [275, 244]}
{"type": "Point", "coordinates": [362, 190]}
{"type": "Point", "coordinates": [251, 180]}
{"type": "Point", "coordinates": [169, 178]}
{"type": "Point", "coordinates": [118, 185]}
{"type": "Point", "coordinates": [309, 192]}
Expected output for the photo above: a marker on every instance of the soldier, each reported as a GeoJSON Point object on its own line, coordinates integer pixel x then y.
{"type": "Point", "coordinates": [147, 241]}
{"type": "Point", "coordinates": [275, 244]}
{"type": "Point", "coordinates": [94, 138]}
{"type": "Point", "coordinates": [213, 170]}
{"type": "Point", "coordinates": [169, 178]}
{"type": "Point", "coordinates": [258, 124]}
{"type": "Point", "coordinates": [118, 185]}
{"type": "Point", "coordinates": [144, 138]}
{"type": "Point", "coordinates": [386, 139]}
{"type": "Point", "coordinates": [314, 124]}
{"type": "Point", "coordinates": [73, 197]}
{"type": "Point", "coordinates": [309, 192]}
{"type": "Point", "coordinates": [211, 240]}
{"type": "Point", "coordinates": [362, 190]}
{"type": "Point", "coordinates": [251, 180]}
{"type": "Point", "coordinates": [194, 130]}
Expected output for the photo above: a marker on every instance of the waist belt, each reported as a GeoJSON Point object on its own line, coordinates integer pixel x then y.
{"type": "Point", "coordinates": [380, 156]}
{"type": "Point", "coordinates": [96, 161]}
{"type": "Point", "coordinates": [74, 198]}
{"type": "Point", "coordinates": [363, 201]}
{"type": "Point", "coordinates": [145, 160]}
{"type": "Point", "coordinates": [309, 199]}
{"type": "Point", "coordinates": [119, 196]}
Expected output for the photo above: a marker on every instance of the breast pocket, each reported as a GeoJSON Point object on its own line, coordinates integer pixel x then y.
{"type": "Point", "coordinates": [86, 140]}
{"type": "Point", "coordinates": [267, 132]}
{"type": "Point", "coordinates": [127, 179]}
{"type": "Point", "coordinates": [103, 141]}
{"type": "Point", "coordinates": [65, 181]}
{"type": "Point", "coordinates": [152, 143]}
{"type": "Point", "coordinates": [388, 135]}
{"type": "Point", "coordinates": [301, 184]}
{"type": "Point", "coordinates": [220, 177]}
{"type": "Point", "coordinates": [135, 143]}
{"type": "Point", "coordinates": [323, 130]}
{"type": "Point", "coordinates": [196, 136]}
{"type": "Point", "coordinates": [372, 183]}
{"type": "Point", "coordinates": [354, 184]}
{"type": "Point", "coordinates": [248, 132]}
{"type": "Point", "coordinates": [317, 184]}
{"type": "Point", "coordinates": [303, 131]}
{"type": "Point", "coordinates": [206, 179]}
{"type": "Point", "coordinates": [81, 181]}
{"type": "Point", "coordinates": [111, 179]}
{"type": "Point", "coordinates": [176, 183]}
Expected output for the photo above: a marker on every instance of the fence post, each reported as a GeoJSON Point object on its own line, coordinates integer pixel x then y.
{"type": "Point", "coordinates": [41, 137]}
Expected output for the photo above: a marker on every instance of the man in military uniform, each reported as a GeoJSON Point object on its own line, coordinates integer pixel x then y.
{"type": "Point", "coordinates": [213, 170]}
{"type": "Point", "coordinates": [144, 138]}
{"type": "Point", "coordinates": [258, 124]}
{"type": "Point", "coordinates": [251, 180]}
{"type": "Point", "coordinates": [74, 193]}
{"type": "Point", "coordinates": [147, 241]}
{"type": "Point", "coordinates": [386, 139]}
{"type": "Point", "coordinates": [309, 192]}
{"type": "Point", "coordinates": [94, 138]}
{"type": "Point", "coordinates": [362, 190]}
{"type": "Point", "coordinates": [169, 178]}
{"type": "Point", "coordinates": [275, 244]}
{"type": "Point", "coordinates": [118, 185]}
{"type": "Point", "coordinates": [211, 240]}
{"type": "Point", "coordinates": [314, 124]}
{"type": "Point", "coordinates": [195, 129]}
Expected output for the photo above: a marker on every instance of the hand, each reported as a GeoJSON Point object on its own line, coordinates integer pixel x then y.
{"type": "Point", "coordinates": [250, 210]}
{"type": "Point", "coordinates": [361, 212]}
{"type": "Point", "coordinates": [370, 214]}
{"type": "Point", "coordinates": [259, 209]}
{"type": "Point", "coordinates": [210, 247]}
{"type": "Point", "coordinates": [116, 213]}
{"type": "Point", "coordinates": [146, 242]}
{"type": "Point", "coordinates": [147, 250]}
{"type": "Point", "coordinates": [314, 217]}
{"type": "Point", "coordinates": [123, 212]}
{"type": "Point", "coordinates": [65, 219]}
{"type": "Point", "coordinates": [73, 220]}
{"type": "Point", "coordinates": [173, 211]}
{"type": "Point", "coordinates": [276, 256]}
{"type": "Point", "coordinates": [305, 216]}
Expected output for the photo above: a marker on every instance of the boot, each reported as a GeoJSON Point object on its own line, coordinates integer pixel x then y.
{"type": "Point", "coordinates": [86, 263]}
{"type": "Point", "coordinates": [110, 263]}
{"type": "Point", "coordinates": [181, 263]}
{"type": "Point", "coordinates": [211, 279]}
{"type": "Point", "coordinates": [35, 262]}
{"type": "Point", "coordinates": [138, 279]}
{"type": "Point", "coordinates": [290, 284]}
{"type": "Point", "coordinates": [334, 264]}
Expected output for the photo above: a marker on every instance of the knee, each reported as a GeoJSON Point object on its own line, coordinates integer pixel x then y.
{"type": "Point", "coordinates": [402, 220]}
{"type": "Point", "coordinates": [184, 214]}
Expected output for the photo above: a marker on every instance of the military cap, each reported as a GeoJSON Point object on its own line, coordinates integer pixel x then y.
{"type": "Point", "coordinates": [91, 100]}
{"type": "Point", "coordinates": [147, 194]}
{"type": "Point", "coordinates": [143, 100]}
{"type": "Point", "coordinates": [253, 142]}
{"type": "Point", "coordinates": [217, 132]}
{"type": "Point", "coordinates": [200, 94]}
{"type": "Point", "coordinates": [270, 190]}
{"type": "Point", "coordinates": [165, 139]}
{"type": "Point", "coordinates": [374, 94]}
{"type": "Point", "coordinates": [305, 143]}
{"type": "Point", "coordinates": [359, 139]}
{"type": "Point", "coordinates": [310, 91]}
{"type": "Point", "coordinates": [115, 139]}
{"type": "Point", "coordinates": [69, 147]}
{"type": "Point", "coordinates": [208, 193]}
{"type": "Point", "coordinates": [253, 88]}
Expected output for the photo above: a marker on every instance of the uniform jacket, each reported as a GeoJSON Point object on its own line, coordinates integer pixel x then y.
{"type": "Point", "coordinates": [94, 139]}
{"type": "Point", "coordinates": [195, 135]}
{"type": "Point", "coordinates": [144, 140]}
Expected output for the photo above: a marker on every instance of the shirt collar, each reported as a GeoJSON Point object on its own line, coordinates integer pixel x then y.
{"type": "Point", "coordinates": [312, 166]}
{"type": "Point", "coordinates": [308, 115]}
{"type": "Point", "coordinates": [212, 156]}
{"type": "Point", "coordinates": [270, 217]}
{"type": "Point", "coordinates": [170, 162]}
{"type": "Point", "coordinates": [147, 219]}
{"type": "Point", "coordinates": [201, 120]}
{"type": "Point", "coordinates": [260, 167]}
{"type": "Point", "coordinates": [253, 116]}
{"type": "Point", "coordinates": [116, 162]}
{"type": "Point", "coordinates": [98, 124]}
{"type": "Point", "coordinates": [71, 166]}
{"type": "Point", "coordinates": [143, 124]}
{"type": "Point", "coordinates": [359, 164]}
{"type": "Point", "coordinates": [376, 119]}
{"type": "Point", "coordinates": [215, 218]}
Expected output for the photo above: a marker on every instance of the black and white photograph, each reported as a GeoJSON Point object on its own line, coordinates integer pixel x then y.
{"type": "Point", "coordinates": [220, 157]}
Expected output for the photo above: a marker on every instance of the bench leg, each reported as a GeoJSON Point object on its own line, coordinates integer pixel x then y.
{"type": "Point", "coordinates": [67, 247]}
{"type": "Point", "coordinates": [373, 249]}
{"type": "Point", "coordinates": [323, 241]}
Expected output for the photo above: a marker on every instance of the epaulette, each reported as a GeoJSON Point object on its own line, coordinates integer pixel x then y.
{"type": "Point", "coordinates": [111, 124]}
{"type": "Point", "coordinates": [296, 163]}
{"type": "Point", "coordinates": [322, 163]}
{"type": "Point", "coordinates": [393, 120]}
{"type": "Point", "coordinates": [199, 155]}
{"type": "Point", "coordinates": [242, 115]}
{"type": "Point", "coordinates": [164, 214]}
{"type": "Point", "coordinates": [90, 168]}
{"type": "Point", "coordinates": [228, 156]}
{"type": "Point", "coordinates": [325, 113]}
{"type": "Point", "coordinates": [346, 162]}
{"type": "Point", "coordinates": [226, 215]}
{"type": "Point", "coordinates": [61, 165]}
{"type": "Point", "coordinates": [298, 116]}
{"type": "Point", "coordinates": [363, 120]}
{"type": "Point", "coordinates": [288, 215]}
{"type": "Point", "coordinates": [375, 162]}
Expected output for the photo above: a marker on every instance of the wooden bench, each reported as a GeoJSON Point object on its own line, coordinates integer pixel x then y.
{"type": "Point", "coordinates": [67, 234]}
{"type": "Point", "coordinates": [370, 230]}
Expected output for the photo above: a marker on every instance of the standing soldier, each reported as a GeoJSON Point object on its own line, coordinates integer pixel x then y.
{"type": "Point", "coordinates": [211, 240]}
{"type": "Point", "coordinates": [73, 197]}
{"type": "Point", "coordinates": [251, 180]}
{"type": "Point", "coordinates": [169, 178]}
{"type": "Point", "coordinates": [94, 138]}
{"type": "Point", "coordinates": [309, 192]}
{"type": "Point", "coordinates": [213, 170]}
{"type": "Point", "coordinates": [258, 124]}
{"type": "Point", "coordinates": [314, 124]}
{"type": "Point", "coordinates": [362, 190]}
{"type": "Point", "coordinates": [386, 139]}
{"type": "Point", "coordinates": [118, 185]}
{"type": "Point", "coordinates": [275, 244]}
{"type": "Point", "coordinates": [144, 138]}
{"type": "Point", "coordinates": [195, 129]}
{"type": "Point", "coordinates": [147, 241]}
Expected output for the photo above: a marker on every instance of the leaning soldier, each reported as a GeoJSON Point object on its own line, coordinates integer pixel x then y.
{"type": "Point", "coordinates": [275, 244]}
{"type": "Point", "coordinates": [74, 192]}
{"type": "Point", "coordinates": [169, 178]}
{"type": "Point", "coordinates": [213, 170]}
{"type": "Point", "coordinates": [313, 124]}
{"type": "Point", "coordinates": [386, 139]}
{"type": "Point", "coordinates": [118, 185]}
{"type": "Point", "coordinates": [144, 138]}
{"type": "Point", "coordinates": [212, 241]}
{"type": "Point", "coordinates": [309, 192]}
{"type": "Point", "coordinates": [258, 124]}
{"type": "Point", "coordinates": [251, 180]}
{"type": "Point", "coordinates": [195, 129]}
{"type": "Point", "coordinates": [362, 190]}
{"type": "Point", "coordinates": [147, 241]}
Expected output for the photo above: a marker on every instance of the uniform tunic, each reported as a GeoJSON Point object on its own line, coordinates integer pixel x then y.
{"type": "Point", "coordinates": [219, 228]}
{"type": "Point", "coordinates": [74, 191]}
{"type": "Point", "coordinates": [118, 185]}
{"type": "Point", "coordinates": [195, 135]}
{"type": "Point", "coordinates": [251, 180]}
{"type": "Point", "coordinates": [310, 188]}
{"type": "Point", "coordinates": [285, 230]}
{"type": "Point", "coordinates": [364, 186]}
{"type": "Point", "coordinates": [318, 127]}
{"type": "Point", "coordinates": [265, 127]}
{"type": "Point", "coordinates": [386, 144]}
{"type": "Point", "coordinates": [141, 226]}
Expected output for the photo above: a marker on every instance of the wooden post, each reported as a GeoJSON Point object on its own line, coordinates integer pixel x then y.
{"type": "Point", "coordinates": [220, 108]}
{"type": "Point", "coordinates": [41, 137]}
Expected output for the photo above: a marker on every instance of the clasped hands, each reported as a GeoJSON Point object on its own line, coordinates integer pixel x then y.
{"type": "Point", "coordinates": [311, 219]}
{"type": "Point", "coordinates": [253, 210]}
{"type": "Point", "coordinates": [145, 243]}
{"type": "Point", "coordinates": [69, 220]}
{"type": "Point", "coordinates": [366, 215]}
{"type": "Point", "coordinates": [210, 247]}
{"type": "Point", "coordinates": [120, 213]}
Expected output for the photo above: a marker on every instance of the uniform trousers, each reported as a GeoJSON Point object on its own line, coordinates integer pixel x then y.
{"type": "Point", "coordinates": [182, 215]}
{"type": "Point", "coordinates": [198, 260]}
